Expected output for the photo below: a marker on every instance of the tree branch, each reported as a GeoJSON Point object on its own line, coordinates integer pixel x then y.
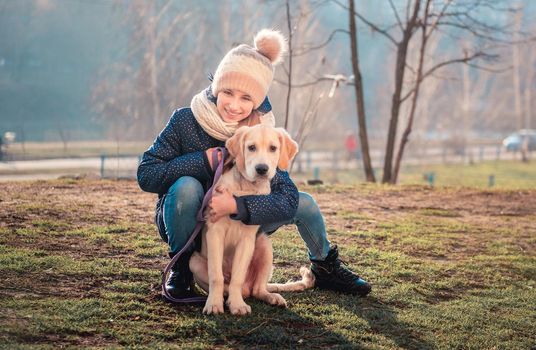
{"type": "Point", "coordinates": [305, 50]}
{"type": "Point", "coordinates": [303, 84]}
{"type": "Point", "coordinates": [396, 15]}
{"type": "Point", "coordinates": [491, 70]}
{"type": "Point", "coordinates": [162, 11]}
{"type": "Point", "coordinates": [445, 63]}
{"type": "Point", "coordinates": [434, 25]}
{"type": "Point", "coordinates": [474, 32]}
{"type": "Point", "coordinates": [370, 24]}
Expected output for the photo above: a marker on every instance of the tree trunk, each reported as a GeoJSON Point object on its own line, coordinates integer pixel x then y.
{"type": "Point", "coordinates": [153, 75]}
{"type": "Point", "coordinates": [528, 88]}
{"type": "Point", "coordinates": [289, 91]}
{"type": "Point", "coordinates": [516, 72]}
{"type": "Point", "coordinates": [466, 111]}
{"type": "Point", "coordinates": [402, 51]}
{"type": "Point", "coordinates": [360, 100]}
{"type": "Point", "coordinates": [405, 136]}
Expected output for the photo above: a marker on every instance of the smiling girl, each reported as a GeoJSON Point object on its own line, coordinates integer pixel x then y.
{"type": "Point", "coordinates": [178, 167]}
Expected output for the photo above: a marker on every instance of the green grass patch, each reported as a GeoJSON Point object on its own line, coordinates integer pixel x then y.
{"type": "Point", "coordinates": [19, 260]}
{"type": "Point", "coordinates": [439, 212]}
{"type": "Point", "coordinates": [507, 174]}
{"type": "Point", "coordinates": [351, 215]}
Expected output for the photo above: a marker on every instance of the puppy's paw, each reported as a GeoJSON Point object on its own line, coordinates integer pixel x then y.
{"type": "Point", "coordinates": [238, 307]}
{"type": "Point", "coordinates": [276, 299]}
{"type": "Point", "coordinates": [213, 306]}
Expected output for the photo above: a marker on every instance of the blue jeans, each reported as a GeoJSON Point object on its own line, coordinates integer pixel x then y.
{"type": "Point", "coordinates": [184, 199]}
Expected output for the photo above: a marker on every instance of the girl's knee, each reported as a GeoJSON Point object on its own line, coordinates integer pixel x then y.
{"type": "Point", "coordinates": [306, 205]}
{"type": "Point", "coordinates": [186, 187]}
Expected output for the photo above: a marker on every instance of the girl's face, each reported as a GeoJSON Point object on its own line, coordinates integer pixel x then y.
{"type": "Point", "coordinates": [234, 105]}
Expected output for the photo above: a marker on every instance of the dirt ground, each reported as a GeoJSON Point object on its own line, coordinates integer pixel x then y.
{"type": "Point", "coordinates": [123, 200]}
{"type": "Point", "coordinates": [83, 203]}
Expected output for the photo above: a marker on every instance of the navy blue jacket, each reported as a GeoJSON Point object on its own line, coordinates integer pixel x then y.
{"type": "Point", "coordinates": [179, 150]}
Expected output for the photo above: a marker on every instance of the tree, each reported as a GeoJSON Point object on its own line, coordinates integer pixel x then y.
{"type": "Point", "coordinates": [172, 48]}
{"type": "Point", "coordinates": [359, 97]}
{"type": "Point", "coordinates": [131, 93]}
{"type": "Point", "coordinates": [459, 19]}
{"type": "Point", "coordinates": [307, 97]}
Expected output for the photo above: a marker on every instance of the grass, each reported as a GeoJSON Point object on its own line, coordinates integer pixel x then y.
{"type": "Point", "coordinates": [451, 268]}
{"type": "Point", "coordinates": [507, 174]}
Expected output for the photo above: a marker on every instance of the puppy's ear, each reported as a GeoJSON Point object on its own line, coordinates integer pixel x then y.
{"type": "Point", "coordinates": [288, 150]}
{"type": "Point", "coordinates": [268, 119]}
{"type": "Point", "coordinates": [235, 143]}
{"type": "Point", "coordinates": [235, 146]}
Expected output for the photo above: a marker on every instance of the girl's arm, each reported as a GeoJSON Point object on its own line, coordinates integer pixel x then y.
{"type": "Point", "coordinates": [163, 163]}
{"type": "Point", "coordinates": [280, 205]}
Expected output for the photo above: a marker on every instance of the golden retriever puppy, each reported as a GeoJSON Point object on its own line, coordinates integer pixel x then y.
{"type": "Point", "coordinates": [234, 260]}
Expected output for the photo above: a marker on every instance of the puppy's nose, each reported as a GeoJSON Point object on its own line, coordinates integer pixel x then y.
{"type": "Point", "coordinates": [261, 169]}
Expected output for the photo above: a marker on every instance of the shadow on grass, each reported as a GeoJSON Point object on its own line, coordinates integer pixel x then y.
{"type": "Point", "coordinates": [267, 327]}
{"type": "Point", "coordinates": [314, 320]}
{"type": "Point", "coordinates": [383, 320]}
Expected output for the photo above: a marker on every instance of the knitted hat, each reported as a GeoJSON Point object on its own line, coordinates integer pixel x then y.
{"type": "Point", "coordinates": [250, 69]}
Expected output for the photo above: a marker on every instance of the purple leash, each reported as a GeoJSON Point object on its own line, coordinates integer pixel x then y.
{"type": "Point", "coordinates": [200, 222]}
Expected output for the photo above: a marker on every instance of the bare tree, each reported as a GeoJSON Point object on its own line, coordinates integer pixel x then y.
{"type": "Point", "coordinates": [173, 47]}
{"type": "Point", "coordinates": [400, 69]}
{"type": "Point", "coordinates": [523, 75]}
{"type": "Point", "coordinates": [309, 117]}
{"type": "Point", "coordinates": [425, 35]}
{"type": "Point", "coordinates": [308, 91]}
{"type": "Point", "coordinates": [63, 133]}
{"type": "Point", "coordinates": [529, 85]}
{"type": "Point", "coordinates": [516, 62]}
{"type": "Point", "coordinates": [290, 58]}
{"type": "Point", "coordinates": [134, 91]}
{"type": "Point", "coordinates": [462, 18]}
{"type": "Point", "coordinates": [359, 97]}
{"type": "Point", "coordinates": [305, 99]}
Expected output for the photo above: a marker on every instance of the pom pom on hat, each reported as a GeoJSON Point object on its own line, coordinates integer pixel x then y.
{"type": "Point", "coordinates": [272, 44]}
{"type": "Point", "coordinates": [251, 69]}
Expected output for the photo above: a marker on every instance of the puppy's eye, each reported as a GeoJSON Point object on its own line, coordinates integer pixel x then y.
{"type": "Point", "coordinates": [273, 148]}
{"type": "Point", "coordinates": [252, 148]}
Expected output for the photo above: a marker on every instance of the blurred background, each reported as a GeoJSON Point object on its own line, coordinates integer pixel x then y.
{"type": "Point", "coordinates": [444, 89]}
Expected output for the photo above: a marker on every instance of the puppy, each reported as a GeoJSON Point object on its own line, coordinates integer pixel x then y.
{"type": "Point", "coordinates": [234, 260]}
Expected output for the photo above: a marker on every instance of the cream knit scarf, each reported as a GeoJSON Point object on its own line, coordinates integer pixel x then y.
{"type": "Point", "coordinates": [206, 114]}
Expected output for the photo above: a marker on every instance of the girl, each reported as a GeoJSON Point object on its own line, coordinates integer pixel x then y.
{"type": "Point", "coordinates": [178, 167]}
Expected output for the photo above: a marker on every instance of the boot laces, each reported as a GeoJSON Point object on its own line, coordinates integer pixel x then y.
{"type": "Point", "coordinates": [343, 272]}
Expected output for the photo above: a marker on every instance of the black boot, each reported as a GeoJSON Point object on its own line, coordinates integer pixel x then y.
{"type": "Point", "coordinates": [331, 275]}
{"type": "Point", "coordinates": [180, 281]}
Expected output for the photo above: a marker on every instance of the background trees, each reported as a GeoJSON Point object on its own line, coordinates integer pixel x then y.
{"type": "Point", "coordinates": [419, 21]}
{"type": "Point", "coordinates": [429, 70]}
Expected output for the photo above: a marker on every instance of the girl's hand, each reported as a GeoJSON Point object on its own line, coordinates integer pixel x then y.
{"type": "Point", "coordinates": [222, 204]}
{"type": "Point", "coordinates": [209, 156]}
